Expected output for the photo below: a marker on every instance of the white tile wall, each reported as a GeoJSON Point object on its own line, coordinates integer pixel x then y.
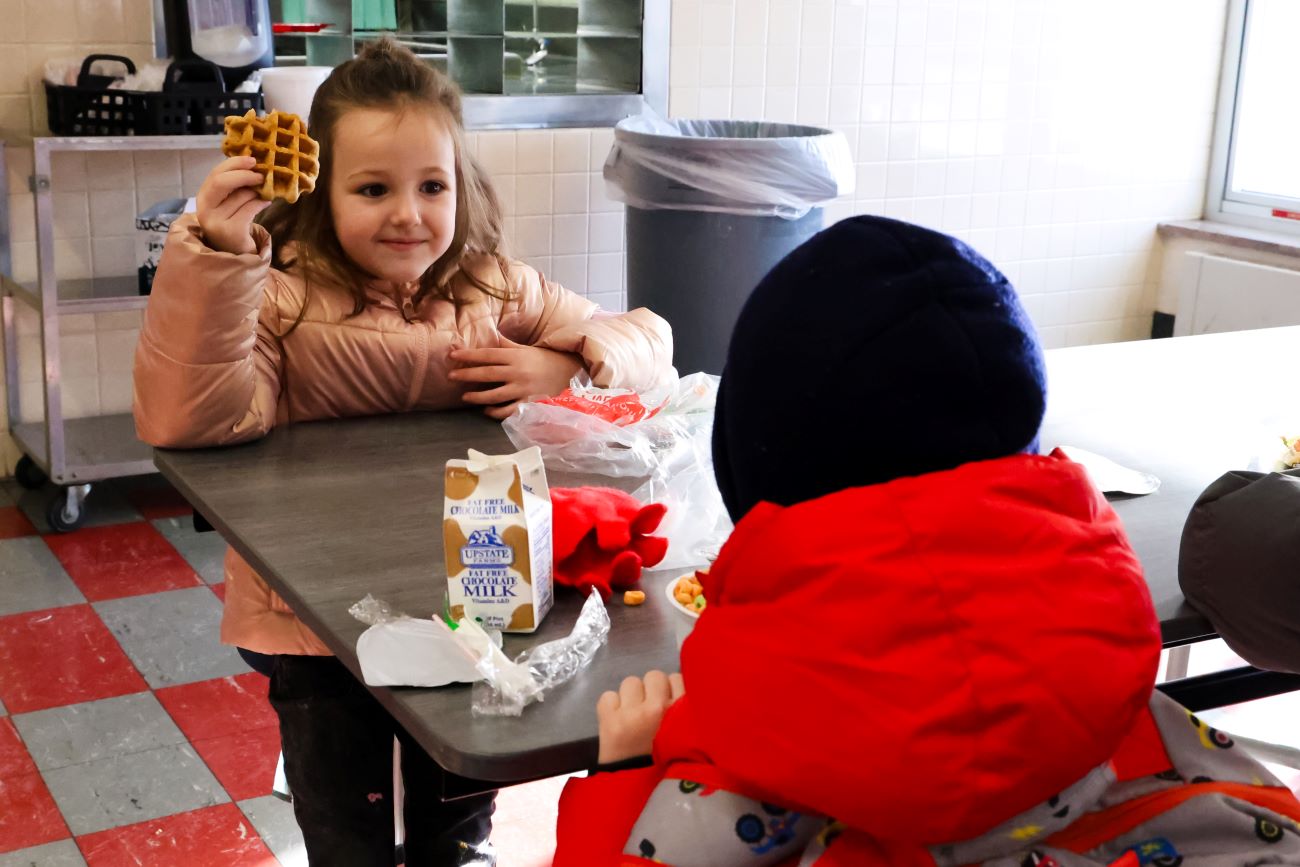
{"type": "Point", "coordinates": [1051, 134]}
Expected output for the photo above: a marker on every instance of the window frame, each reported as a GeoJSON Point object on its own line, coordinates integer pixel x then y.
{"type": "Point", "coordinates": [1221, 204]}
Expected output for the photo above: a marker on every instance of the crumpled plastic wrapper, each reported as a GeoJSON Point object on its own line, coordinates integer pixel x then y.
{"type": "Point", "coordinates": [372, 611]}
{"type": "Point", "coordinates": [510, 686]}
{"type": "Point", "coordinates": [398, 650]}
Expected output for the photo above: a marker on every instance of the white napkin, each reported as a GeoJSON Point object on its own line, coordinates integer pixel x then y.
{"type": "Point", "coordinates": [1109, 476]}
{"type": "Point", "coordinates": [414, 652]}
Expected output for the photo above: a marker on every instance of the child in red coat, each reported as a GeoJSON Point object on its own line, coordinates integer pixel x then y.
{"type": "Point", "coordinates": [924, 644]}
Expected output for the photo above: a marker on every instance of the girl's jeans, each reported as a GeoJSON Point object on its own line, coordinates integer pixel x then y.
{"type": "Point", "coordinates": [338, 758]}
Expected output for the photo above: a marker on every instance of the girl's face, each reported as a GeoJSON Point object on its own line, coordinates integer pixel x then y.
{"type": "Point", "coordinates": [393, 190]}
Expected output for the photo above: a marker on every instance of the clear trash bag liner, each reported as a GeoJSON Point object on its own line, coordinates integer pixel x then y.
{"type": "Point", "coordinates": [510, 686]}
{"type": "Point", "coordinates": [749, 168]}
{"type": "Point", "coordinates": [670, 449]}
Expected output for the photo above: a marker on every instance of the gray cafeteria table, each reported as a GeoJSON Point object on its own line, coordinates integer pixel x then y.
{"type": "Point", "coordinates": [1187, 409]}
{"type": "Point", "coordinates": [330, 511]}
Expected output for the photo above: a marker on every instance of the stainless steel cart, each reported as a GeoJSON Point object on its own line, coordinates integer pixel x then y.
{"type": "Point", "coordinates": [72, 453]}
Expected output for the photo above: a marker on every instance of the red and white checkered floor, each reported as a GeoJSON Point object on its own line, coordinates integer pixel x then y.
{"type": "Point", "coordinates": [128, 733]}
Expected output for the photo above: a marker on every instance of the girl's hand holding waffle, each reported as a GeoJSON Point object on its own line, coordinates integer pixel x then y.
{"type": "Point", "coordinates": [511, 373]}
{"type": "Point", "coordinates": [227, 203]}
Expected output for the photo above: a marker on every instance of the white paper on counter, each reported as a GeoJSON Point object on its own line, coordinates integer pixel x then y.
{"type": "Point", "coordinates": [1111, 477]}
{"type": "Point", "coordinates": [414, 652]}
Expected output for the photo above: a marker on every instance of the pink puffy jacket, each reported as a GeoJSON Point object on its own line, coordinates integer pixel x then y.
{"type": "Point", "coordinates": [211, 370]}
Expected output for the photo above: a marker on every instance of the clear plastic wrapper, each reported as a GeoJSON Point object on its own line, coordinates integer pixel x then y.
{"type": "Point", "coordinates": [671, 450]}
{"type": "Point", "coordinates": [373, 612]}
{"type": "Point", "coordinates": [750, 168]}
{"type": "Point", "coordinates": [510, 686]}
{"type": "Point", "coordinates": [697, 522]}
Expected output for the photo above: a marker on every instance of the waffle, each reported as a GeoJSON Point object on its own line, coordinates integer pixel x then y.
{"type": "Point", "coordinates": [286, 156]}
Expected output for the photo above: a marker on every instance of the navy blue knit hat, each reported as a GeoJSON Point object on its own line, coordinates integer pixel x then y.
{"type": "Point", "coordinates": [875, 350]}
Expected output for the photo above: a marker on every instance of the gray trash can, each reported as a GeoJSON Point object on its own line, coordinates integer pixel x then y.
{"type": "Point", "coordinates": [711, 207]}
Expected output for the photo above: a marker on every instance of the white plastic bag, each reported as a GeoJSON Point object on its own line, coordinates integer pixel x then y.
{"type": "Point", "coordinates": [587, 443]}
{"type": "Point", "coordinates": [671, 450]}
{"type": "Point", "coordinates": [697, 522]}
{"type": "Point", "coordinates": [751, 168]}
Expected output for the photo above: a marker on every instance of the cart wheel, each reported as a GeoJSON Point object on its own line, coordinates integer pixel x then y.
{"type": "Point", "coordinates": [29, 475]}
{"type": "Point", "coordinates": [67, 509]}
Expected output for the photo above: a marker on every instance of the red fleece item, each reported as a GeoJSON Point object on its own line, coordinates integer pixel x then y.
{"type": "Point", "coordinates": [602, 538]}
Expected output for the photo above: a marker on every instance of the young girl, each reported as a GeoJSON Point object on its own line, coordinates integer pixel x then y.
{"type": "Point", "coordinates": [383, 291]}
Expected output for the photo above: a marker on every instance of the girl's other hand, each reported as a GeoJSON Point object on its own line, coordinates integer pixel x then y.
{"type": "Point", "coordinates": [227, 203]}
{"type": "Point", "coordinates": [629, 719]}
{"type": "Point", "coordinates": [512, 373]}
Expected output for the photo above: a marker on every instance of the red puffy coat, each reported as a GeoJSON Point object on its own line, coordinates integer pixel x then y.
{"type": "Point", "coordinates": [921, 660]}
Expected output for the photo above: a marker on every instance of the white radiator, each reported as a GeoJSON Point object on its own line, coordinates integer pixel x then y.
{"type": "Point", "coordinates": [1218, 294]}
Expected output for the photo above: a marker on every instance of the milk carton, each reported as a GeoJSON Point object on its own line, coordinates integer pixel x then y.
{"type": "Point", "coordinates": [496, 534]}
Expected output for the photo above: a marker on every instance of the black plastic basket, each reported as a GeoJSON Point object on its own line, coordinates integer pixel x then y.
{"type": "Point", "coordinates": [183, 107]}
{"type": "Point", "coordinates": [207, 102]}
{"type": "Point", "coordinates": [90, 108]}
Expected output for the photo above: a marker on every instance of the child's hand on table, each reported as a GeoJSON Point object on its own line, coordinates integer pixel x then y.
{"type": "Point", "coordinates": [513, 373]}
{"type": "Point", "coordinates": [628, 719]}
{"type": "Point", "coordinates": [227, 203]}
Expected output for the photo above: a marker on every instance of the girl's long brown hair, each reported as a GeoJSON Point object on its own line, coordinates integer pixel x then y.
{"type": "Point", "coordinates": [388, 76]}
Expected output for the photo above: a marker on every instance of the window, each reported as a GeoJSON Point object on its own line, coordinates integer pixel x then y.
{"type": "Point", "coordinates": [1255, 169]}
{"type": "Point", "coordinates": [519, 62]}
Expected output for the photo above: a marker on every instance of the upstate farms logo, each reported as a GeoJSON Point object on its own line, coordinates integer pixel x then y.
{"type": "Point", "coordinates": [486, 548]}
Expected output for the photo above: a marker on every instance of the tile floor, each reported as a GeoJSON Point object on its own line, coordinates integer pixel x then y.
{"type": "Point", "coordinates": [128, 733]}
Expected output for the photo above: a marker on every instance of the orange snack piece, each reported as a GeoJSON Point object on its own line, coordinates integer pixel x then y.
{"type": "Point", "coordinates": [633, 597]}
